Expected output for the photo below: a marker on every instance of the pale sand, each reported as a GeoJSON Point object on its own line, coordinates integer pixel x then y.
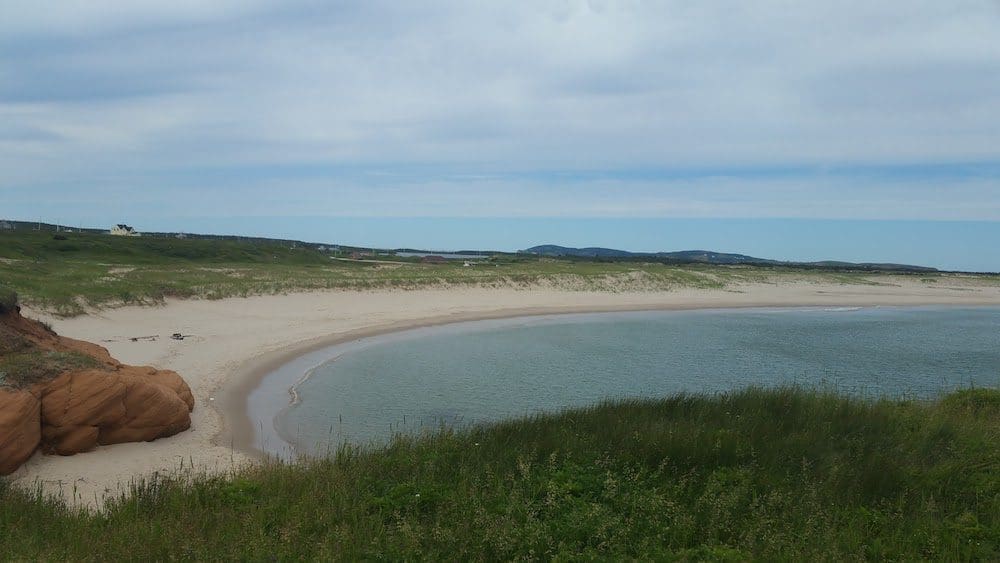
{"type": "Point", "coordinates": [236, 341]}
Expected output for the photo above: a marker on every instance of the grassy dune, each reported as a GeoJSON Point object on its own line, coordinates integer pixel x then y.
{"type": "Point", "coordinates": [763, 474]}
{"type": "Point", "coordinates": [82, 271]}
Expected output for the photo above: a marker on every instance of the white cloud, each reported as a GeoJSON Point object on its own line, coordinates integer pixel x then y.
{"type": "Point", "coordinates": [94, 93]}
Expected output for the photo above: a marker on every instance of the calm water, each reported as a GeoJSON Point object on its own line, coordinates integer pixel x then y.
{"type": "Point", "coordinates": [474, 372]}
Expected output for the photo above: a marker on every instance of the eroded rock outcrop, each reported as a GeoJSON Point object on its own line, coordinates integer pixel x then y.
{"type": "Point", "coordinates": [67, 396]}
{"type": "Point", "coordinates": [20, 428]}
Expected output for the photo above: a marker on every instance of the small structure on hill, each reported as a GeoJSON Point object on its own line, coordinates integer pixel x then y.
{"type": "Point", "coordinates": [124, 230]}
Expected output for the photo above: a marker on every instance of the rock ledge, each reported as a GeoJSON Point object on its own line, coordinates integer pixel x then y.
{"type": "Point", "coordinates": [69, 406]}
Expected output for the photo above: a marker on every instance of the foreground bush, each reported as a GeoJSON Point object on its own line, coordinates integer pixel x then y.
{"type": "Point", "coordinates": [767, 474]}
{"type": "Point", "coordinates": [8, 300]}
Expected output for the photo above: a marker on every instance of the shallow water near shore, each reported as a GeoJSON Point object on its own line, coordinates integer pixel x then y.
{"type": "Point", "coordinates": [418, 380]}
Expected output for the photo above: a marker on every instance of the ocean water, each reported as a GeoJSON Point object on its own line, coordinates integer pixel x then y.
{"type": "Point", "coordinates": [460, 374]}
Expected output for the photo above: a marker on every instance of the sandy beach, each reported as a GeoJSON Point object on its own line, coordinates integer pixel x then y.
{"type": "Point", "coordinates": [231, 344]}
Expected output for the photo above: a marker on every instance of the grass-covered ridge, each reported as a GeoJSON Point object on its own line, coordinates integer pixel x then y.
{"type": "Point", "coordinates": [22, 363]}
{"type": "Point", "coordinates": [68, 273]}
{"type": "Point", "coordinates": [767, 474]}
{"type": "Point", "coordinates": [32, 365]}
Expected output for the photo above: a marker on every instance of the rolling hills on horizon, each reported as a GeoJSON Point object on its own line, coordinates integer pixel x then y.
{"type": "Point", "coordinates": [709, 257]}
{"type": "Point", "coordinates": [550, 250]}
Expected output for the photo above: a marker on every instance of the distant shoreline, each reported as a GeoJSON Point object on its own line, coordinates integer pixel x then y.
{"type": "Point", "coordinates": [234, 394]}
{"type": "Point", "coordinates": [236, 342]}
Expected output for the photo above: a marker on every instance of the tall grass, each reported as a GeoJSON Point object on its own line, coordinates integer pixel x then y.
{"type": "Point", "coordinates": [754, 474]}
{"type": "Point", "coordinates": [66, 277]}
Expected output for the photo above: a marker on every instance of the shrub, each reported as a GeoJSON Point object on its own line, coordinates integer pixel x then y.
{"type": "Point", "coordinates": [8, 300]}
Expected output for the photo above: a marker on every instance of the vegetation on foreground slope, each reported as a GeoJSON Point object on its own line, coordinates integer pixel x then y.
{"type": "Point", "coordinates": [67, 273]}
{"type": "Point", "coordinates": [770, 474]}
{"type": "Point", "coordinates": [22, 362]}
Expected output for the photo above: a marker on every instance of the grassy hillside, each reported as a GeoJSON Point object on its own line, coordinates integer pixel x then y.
{"type": "Point", "coordinates": [67, 273]}
{"type": "Point", "coordinates": [776, 475]}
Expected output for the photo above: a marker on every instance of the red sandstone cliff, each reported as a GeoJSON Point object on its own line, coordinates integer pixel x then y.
{"type": "Point", "coordinates": [70, 396]}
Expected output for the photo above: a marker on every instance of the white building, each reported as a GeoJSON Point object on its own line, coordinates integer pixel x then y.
{"type": "Point", "coordinates": [124, 230]}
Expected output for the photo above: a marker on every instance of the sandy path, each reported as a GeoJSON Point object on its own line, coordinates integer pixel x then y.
{"type": "Point", "coordinates": [235, 341]}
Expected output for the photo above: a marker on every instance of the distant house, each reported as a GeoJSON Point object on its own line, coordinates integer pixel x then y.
{"type": "Point", "coordinates": [180, 235]}
{"type": "Point", "coordinates": [433, 259]}
{"type": "Point", "coordinates": [124, 230]}
{"type": "Point", "coordinates": [6, 226]}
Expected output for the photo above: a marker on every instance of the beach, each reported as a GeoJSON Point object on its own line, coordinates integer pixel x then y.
{"type": "Point", "coordinates": [229, 345]}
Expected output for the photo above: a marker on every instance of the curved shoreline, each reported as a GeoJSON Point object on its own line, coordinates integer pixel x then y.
{"type": "Point", "coordinates": [250, 377]}
{"type": "Point", "coordinates": [235, 342]}
{"type": "Point", "coordinates": [233, 394]}
{"type": "Point", "coordinates": [292, 448]}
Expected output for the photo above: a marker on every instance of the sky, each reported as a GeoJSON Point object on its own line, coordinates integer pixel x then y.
{"type": "Point", "coordinates": [776, 128]}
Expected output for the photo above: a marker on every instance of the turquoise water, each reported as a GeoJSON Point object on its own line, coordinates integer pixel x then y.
{"type": "Point", "coordinates": [474, 372]}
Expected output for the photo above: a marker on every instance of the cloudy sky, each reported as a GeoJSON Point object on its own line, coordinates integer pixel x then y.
{"type": "Point", "coordinates": [259, 113]}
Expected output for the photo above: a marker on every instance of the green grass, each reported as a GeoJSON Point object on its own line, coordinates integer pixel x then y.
{"type": "Point", "coordinates": [29, 366]}
{"type": "Point", "coordinates": [66, 277]}
{"type": "Point", "coordinates": [782, 474]}
{"type": "Point", "coordinates": [22, 363]}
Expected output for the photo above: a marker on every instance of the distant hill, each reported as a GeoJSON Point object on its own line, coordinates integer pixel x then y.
{"type": "Point", "coordinates": [593, 253]}
{"type": "Point", "coordinates": [708, 257]}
